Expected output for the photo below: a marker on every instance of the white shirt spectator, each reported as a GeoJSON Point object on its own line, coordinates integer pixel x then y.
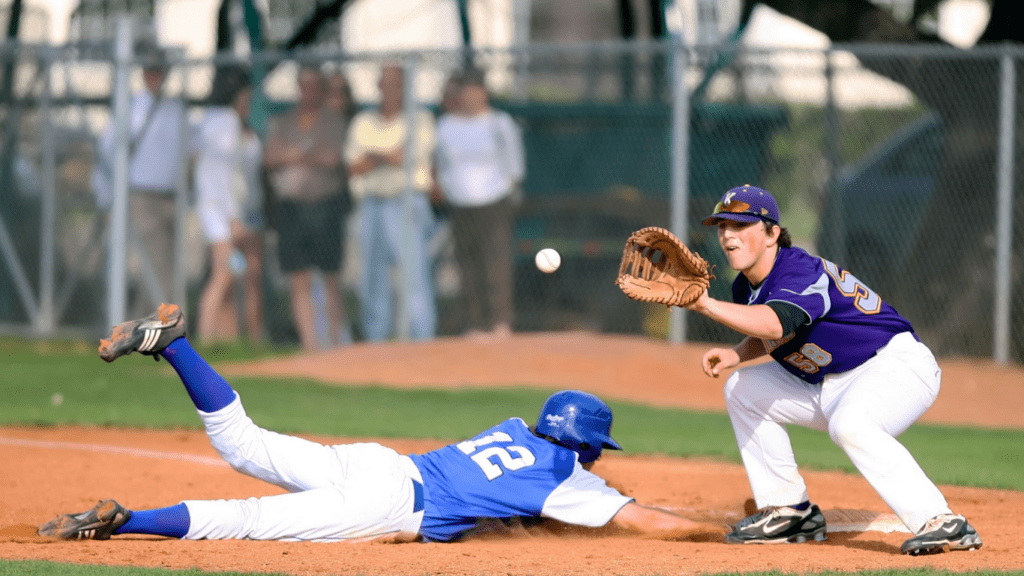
{"type": "Point", "coordinates": [156, 162]}
{"type": "Point", "coordinates": [227, 174]}
{"type": "Point", "coordinates": [479, 158]}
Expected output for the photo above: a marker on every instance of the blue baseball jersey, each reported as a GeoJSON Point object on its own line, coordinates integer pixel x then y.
{"type": "Point", "coordinates": [849, 322]}
{"type": "Point", "coordinates": [507, 472]}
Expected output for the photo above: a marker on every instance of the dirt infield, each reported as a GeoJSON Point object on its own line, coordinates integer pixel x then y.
{"type": "Point", "coordinates": [50, 470]}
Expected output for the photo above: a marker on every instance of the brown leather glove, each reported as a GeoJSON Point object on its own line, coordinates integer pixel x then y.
{"type": "Point", "coordinates": [657, 267]}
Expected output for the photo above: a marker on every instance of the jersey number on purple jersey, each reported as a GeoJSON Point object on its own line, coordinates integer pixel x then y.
{"type": "Point", "coordinates": [864, 298]}
{"type": "Point", "coordinates": [810, 358]}
{"type": "Point", "coordinates": [504, 453]}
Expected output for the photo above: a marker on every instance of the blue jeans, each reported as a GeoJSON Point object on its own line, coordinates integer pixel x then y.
{"type": "Point", "coordinates": [382, 226]}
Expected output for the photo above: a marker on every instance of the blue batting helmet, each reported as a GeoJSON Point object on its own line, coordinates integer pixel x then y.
{"type": "Point", "coordinates": [579, 421]}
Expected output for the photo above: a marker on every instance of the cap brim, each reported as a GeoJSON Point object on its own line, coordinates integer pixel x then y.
{"type": "Point", "coordinates": [608, 442]}
{"type": "Point", "coordinates": [716, 218]}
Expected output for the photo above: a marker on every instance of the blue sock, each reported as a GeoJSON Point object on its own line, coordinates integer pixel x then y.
{"type": "Point", "coordinates": [209, 391]}
{"type": "Point", "coordinates": [173, 522]}
{"type": "Point", "coordinates": [802, 506]}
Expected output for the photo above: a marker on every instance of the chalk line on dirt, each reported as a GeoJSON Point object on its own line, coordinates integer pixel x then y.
{"type": "Point", "coordinates": [142, 453]}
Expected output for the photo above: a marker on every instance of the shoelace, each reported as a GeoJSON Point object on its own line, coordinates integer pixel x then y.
{"type": "Point", "coordinates": [936, 523]}
{"type": "Point", "coordinates": [756, 517]}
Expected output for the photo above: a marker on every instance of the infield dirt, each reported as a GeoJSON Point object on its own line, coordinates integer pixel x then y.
{"type": "Point", "coordinates": [51, 470]}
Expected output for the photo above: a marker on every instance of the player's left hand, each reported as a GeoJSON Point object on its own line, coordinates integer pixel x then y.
{"type": "Point", "coordinates": [700, 304]}
{"type": "Point", "coordinates": [718, 359]}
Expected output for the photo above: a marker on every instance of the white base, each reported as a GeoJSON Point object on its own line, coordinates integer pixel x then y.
{"type": "Point", "coordinates": [845, 520]}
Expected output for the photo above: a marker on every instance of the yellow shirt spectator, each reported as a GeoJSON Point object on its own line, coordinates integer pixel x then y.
{"type": "Point", "coordinates": [371, 133]}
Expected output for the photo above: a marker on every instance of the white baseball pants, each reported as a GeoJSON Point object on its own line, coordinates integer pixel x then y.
{"type": "Point", "coordinates": [342, 492]}
{"type": "Point", "coordinates": [863, 410]}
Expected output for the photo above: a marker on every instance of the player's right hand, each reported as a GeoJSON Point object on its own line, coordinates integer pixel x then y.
{"type": "Point", "coordinates": [718, 359]}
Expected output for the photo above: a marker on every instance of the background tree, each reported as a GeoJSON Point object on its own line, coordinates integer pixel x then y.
{"type": "Point", "coordinates": [965, 93]}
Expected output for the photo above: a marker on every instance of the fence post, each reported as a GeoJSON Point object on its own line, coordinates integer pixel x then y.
{"type": "Point", "coordinates": [118, 260]}
{"type": "Point", "coordinates": [178, 290]}
{"type": "Point", "coordinates": [404, 313]}
{"type": "Point", "coordinates": [832, 145]}
{"type": "Point", "coordinates": [1004, 210]}
{"type": "Point", "coordinates": [680, 168]}
{"type": "Point", "coordinates": [521, 12]}
{"type": "Point", "coordinates": [44, 320]}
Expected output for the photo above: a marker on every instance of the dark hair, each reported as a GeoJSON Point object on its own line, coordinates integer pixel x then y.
{"type": "Point", "coordinates": [228, 81]}
{"type": "Point", "coordinates": [310, 66]}
{"type": "Point", "coordinates": [151, 55]}
{"type": "Point", "coordinates": [785, 240]}
{"type": "Point", "coordinates": [472, 76]}
{"type": "Point", "coordinates": [350, 102]}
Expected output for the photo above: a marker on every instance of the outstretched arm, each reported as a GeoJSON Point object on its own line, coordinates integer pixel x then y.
{"type": "Point", "coordinates": [759, 320]}
{"type": "Point", "coordinates": [664, 525]}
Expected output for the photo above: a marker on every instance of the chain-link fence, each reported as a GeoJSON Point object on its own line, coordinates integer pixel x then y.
{"type": "Point", "coordinates": [898, 163]}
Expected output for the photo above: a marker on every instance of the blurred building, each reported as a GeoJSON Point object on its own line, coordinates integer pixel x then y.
{"type": "Point", "coordinates": [713, 22]}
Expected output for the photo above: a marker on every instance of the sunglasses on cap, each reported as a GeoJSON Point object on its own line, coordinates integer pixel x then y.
{"type": "Point", "coordinates": [740, 207]}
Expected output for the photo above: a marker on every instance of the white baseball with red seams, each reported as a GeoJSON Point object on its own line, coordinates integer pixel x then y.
{"type": "Point", "coordinates": [548, 260]}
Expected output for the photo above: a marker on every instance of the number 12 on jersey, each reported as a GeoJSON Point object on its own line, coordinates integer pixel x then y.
{"type": "Point", "coordinates": [507, 461]}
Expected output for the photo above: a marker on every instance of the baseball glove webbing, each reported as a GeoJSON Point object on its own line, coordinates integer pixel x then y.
{"type": "Point", "coordinates": [657, 267]}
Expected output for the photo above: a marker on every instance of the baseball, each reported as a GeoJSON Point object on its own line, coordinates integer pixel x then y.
{"type": "Point", "coordinates": [548, 260]}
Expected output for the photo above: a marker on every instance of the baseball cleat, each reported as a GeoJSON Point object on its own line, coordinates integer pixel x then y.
{"type": "Point", "coordinates": [96, 524]}
{"type": "Point", "coordinates": [779, 525]}
{"type": "Point", "coordinates": [148, 335]}
{"type": "Point", "coordinates": [943, 533]}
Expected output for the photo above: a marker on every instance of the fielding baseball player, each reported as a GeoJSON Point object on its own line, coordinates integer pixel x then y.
{"type": "Point", "coordinates": [368, 491]}
{"type": "Point", "coordinates": [845, 362]}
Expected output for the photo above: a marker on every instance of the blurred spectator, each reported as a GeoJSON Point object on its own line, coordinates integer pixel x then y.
{"type": "Point", "coordinates": [450, 94]}
{"type": "Point", "coordinates": [156, 143]}
{"type": "Point", "coordinates": [480, 165]}
{"type": "Point", "coordinates": [229, 194]}
{"type": "Point", "coordinates": [394, 226]}
{"type": "Point", "coordinates": [303, 156]}
{"type": "Point", "coordinates": [339, 96]}
{"type": "Point", "coordinates": [449, 104]}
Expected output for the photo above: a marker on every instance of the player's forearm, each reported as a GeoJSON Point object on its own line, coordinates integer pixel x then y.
{"type": "Point", "coordinates": [759, 321]}
{"type": "Point", "coordinates": [750, 348]}
{"type": "Point", "coordinates": [662, 524]}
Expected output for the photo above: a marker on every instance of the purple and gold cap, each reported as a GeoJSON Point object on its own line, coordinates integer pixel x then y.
{"type": "Point", "coordinates": [745, 204]}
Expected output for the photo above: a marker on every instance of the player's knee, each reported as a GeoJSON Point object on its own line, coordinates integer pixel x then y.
{"type": "Point", "coordinates": [849, 429]}
{"type": "Point", "coordinates": [232, 455]}
{"type": "Point", "coordinates": [238, 451]}
{"type": "Point", "coordinates": [237, 461]}
{"type": "Point", "coordinates": [737, 390]}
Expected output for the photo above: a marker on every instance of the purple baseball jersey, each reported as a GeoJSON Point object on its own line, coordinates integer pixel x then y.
{"type": "Point", "coordinates": [849, 322]}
